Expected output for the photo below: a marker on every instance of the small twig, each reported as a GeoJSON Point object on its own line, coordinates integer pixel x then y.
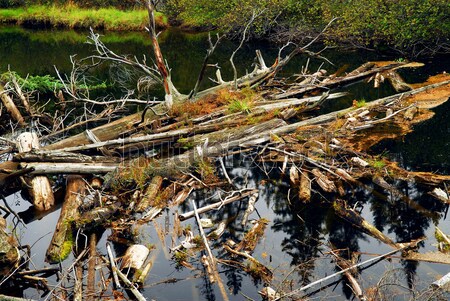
{"type": "Point", "coordinates": [225, 171]}
{"type": "Point", "coordinates": [113, 266]}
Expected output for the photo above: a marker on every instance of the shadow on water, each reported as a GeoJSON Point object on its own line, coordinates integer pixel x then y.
{"type": "Point", "coordinates": [298, 235]}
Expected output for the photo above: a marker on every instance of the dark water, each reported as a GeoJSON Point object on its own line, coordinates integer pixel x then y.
{"type": "Point", "coordinates": [298, 234]}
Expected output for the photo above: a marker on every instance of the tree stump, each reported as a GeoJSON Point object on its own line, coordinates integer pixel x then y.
{"type": "Point", "coordinates": [39, 186]}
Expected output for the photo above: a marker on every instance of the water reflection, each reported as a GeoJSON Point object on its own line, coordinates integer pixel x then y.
{"type": "Point", "coordinates": [299, 234]}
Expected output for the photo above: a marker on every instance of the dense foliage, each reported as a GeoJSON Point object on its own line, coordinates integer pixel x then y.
{"type": "Point", "coordinates": [400, 24]}
{"type": "Point", "coordinates": [81, 3]}
{"type": "Point", "coordinates": [409, 25]}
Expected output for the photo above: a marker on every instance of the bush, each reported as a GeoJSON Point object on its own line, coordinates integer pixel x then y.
{"type": "Point", "coordinates": [11, 3]}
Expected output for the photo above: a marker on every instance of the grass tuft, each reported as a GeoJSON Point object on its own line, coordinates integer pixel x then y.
{"type": "Point", "coordinates": [71, 16]}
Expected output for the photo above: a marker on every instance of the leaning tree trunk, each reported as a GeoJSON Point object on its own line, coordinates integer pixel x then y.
{"type": "Point", "coordinates": [11, 107]}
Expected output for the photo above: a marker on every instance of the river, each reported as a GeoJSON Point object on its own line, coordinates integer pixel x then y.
{"type": "Point", "coordinates": [297, 235]}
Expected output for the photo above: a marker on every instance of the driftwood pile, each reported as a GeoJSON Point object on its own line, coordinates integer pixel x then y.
{"type": "Point", "coordinates": [126, 172]}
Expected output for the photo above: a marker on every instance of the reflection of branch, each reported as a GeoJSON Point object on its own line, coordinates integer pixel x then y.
{"type": "Point", "coordinates": [296, 291]}
{"type": "Point", "coordinates": [244, 36]}
{"type": "Point", "coordinates": [105, 54]}
{"type": "Point", "coordinates": [209, 52]}
{"type": "Point", "coordinates": [303, 49]}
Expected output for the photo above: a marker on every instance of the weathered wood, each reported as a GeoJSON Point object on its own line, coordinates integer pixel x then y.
{"type": "Point", "coordinates": [344, 264]}
{"type": "Point", "coordinates": [137, 294]}
{"type": "Point", "coordinates": [304, 193]}
{"type": "Point", "coordinates": [444, 280]}
{"type": "Point", "coordinates": [358, 221]}
{"type": "Point", "coordinates": [397, 81]}
{"type": "Point", "coordinates": [72, 168]}
{"type": "Point", "coordinates": [351, 77]}
{"type": "Point", "coordinates": [264, 272]}
{"type": "Point", "coordinates": [97, 216]}
{"type": "Point", "coordinates": [62, 240]}
{"type": "Point", "coordinates": [226, 201]}
{"type": "Point", "coordinates": [150, 194]}
{"type": "Point", "coordinates": [209, 270]}
{"type": "Point", "coordinates": [323, 181]}
{"type": "Point", "coordinates": [112, 263]}
{"type": "Point", "coordinates": [90, 287]}
{"type": "Point", "coordinates": [322, 280]}
{"type": "Point", "coordinates": [134, 259]}
{"type": "Point", "coordinates": [40, 189]}
{"type": "Point", "coordinates": [78, 286]}
{"type": "Point", "coordinates": [61, 157]}
{"type": "Point", "coordinates": [252, 237]}
{"type": "Point", "coordinates": [11, 107]}
{"type": "Point", "coordinates": [210, 262]}
{"type": "Point", "coordinates": [410, 113]}
{"type": "Point", "coordinates": [250, 208]}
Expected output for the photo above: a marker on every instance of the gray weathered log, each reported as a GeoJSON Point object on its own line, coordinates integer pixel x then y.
{"type": "Point", "coordinates": [61, 157]}
{"type": "Point", "coordinates": [69, 168]}
{"type": "Point", "coordinates": [39, 187]}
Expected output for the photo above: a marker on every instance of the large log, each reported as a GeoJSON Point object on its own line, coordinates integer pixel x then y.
{"type": "Point", "coordinates": [150, 194]}
{"type": "Point", "coordinates": [61, 157]}
{"type": "Point", "coordinates": [69, 168]}
{"type": "Point", "coordinates": [39, 188]}
{"type": "Point", "coordinates": [62, 240]}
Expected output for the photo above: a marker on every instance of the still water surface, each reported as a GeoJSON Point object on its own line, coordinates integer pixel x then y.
{"type": "Point", "coordinates": [297, 234]}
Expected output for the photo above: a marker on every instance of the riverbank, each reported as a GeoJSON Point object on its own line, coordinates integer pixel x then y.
{"type": "Point", "coordinates": [77, 18]}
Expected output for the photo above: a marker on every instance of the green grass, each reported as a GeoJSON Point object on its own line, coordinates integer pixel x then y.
{"type": "Point", "coordinates": [361, 103]}
{"type": "Point", "coordinates": [74, 17]}
{"type": "Point", "coordinates": [239, 105]}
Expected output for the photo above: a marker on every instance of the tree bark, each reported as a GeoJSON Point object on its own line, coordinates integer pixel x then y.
{"type": "Point", "coordinates": [150, 194]}
{"type": "Point", "coordinates": [62, 240]}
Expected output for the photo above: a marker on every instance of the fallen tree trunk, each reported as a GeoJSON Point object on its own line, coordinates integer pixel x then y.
{"type": "Point", "coordinates": [69, 168]}
{"type": "Point", "coordinates": [150, 194]}
{"type": "Point", "coordinates": [358, 221]}
{"type": "Point", "coordinates": [63, 240]}
{"type": "Point", "coordinates": [61, 157]}
{"type": "Point", "coordinates": [97, 216]}
{"type": "Point", "coordinates": [39, 187]}
{"type": "Point", "coordinates": [11, 107]}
